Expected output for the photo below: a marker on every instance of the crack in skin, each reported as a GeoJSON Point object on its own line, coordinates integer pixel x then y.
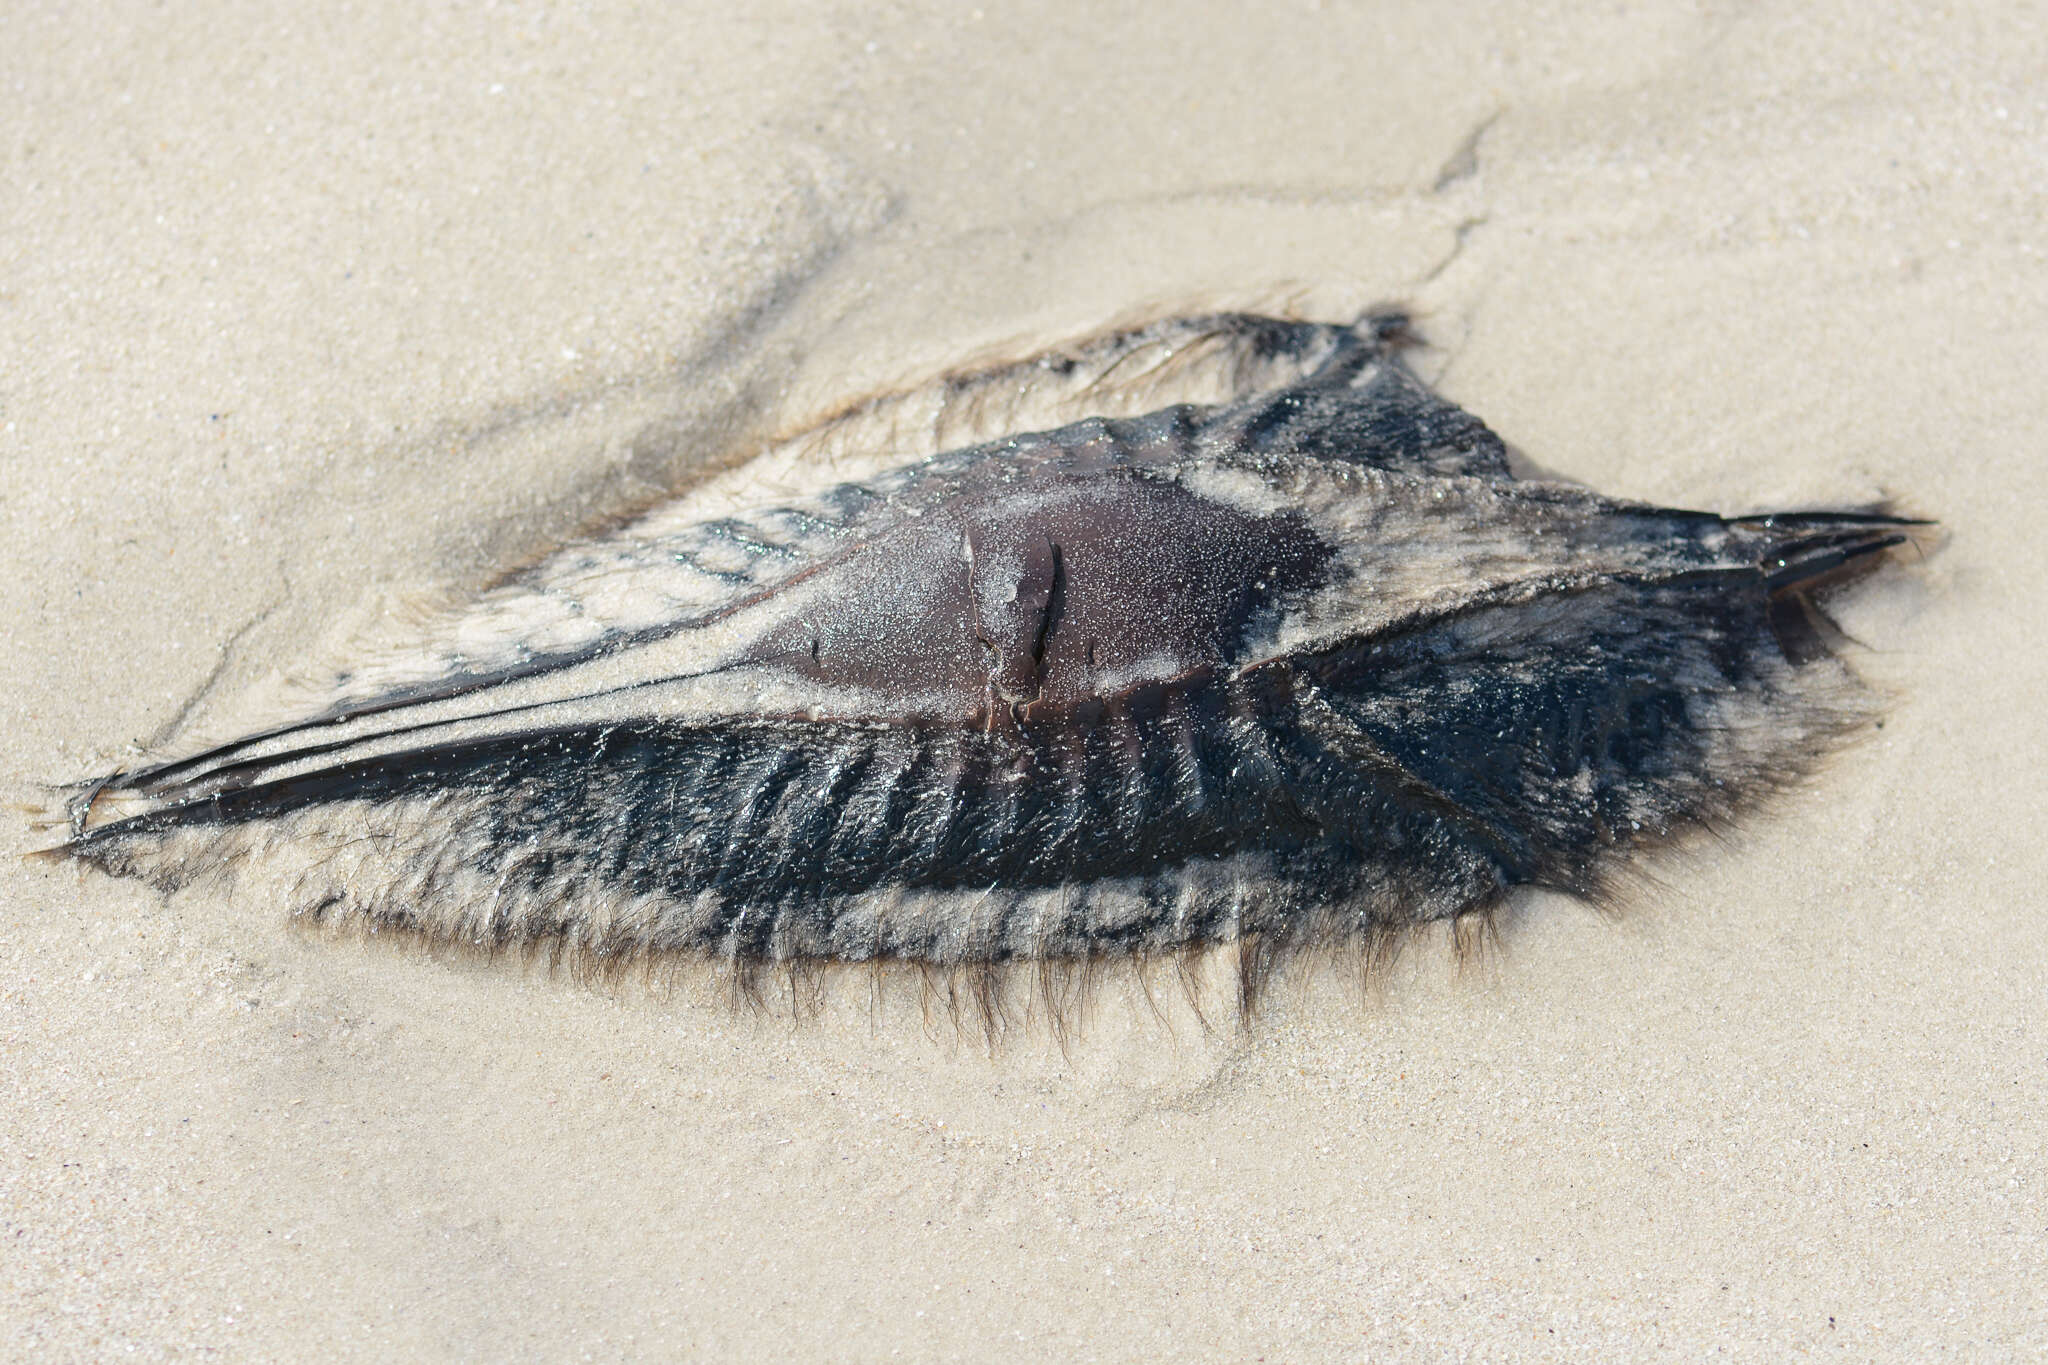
{"type": "Point", "coordinates": [1016, 678]}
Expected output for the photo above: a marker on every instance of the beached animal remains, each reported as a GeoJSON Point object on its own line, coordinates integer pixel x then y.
{"type": "Point", "coordinates": [1220, 630]}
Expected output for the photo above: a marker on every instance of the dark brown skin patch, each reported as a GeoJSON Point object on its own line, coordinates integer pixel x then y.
{"type": "Point", "coordinates": [1027, 604]}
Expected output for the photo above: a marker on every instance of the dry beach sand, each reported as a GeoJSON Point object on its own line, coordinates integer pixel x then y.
{"type": "Point", "coordinates": [299, 311]}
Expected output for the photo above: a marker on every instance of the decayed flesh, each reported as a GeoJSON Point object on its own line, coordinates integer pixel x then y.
{"type": "Point", "coordinates": [1274, 646]}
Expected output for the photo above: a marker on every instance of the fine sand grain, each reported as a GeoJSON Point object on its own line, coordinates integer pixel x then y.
{"type": "Point", "coordinates": [303, 315]}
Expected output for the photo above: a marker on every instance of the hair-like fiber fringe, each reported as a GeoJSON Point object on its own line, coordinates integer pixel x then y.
{"type": "Point", "coordinates": [997, 1002]}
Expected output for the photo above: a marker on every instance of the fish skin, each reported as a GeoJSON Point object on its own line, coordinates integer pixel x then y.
{"type": "Point", "coordinates": [1305, 664]}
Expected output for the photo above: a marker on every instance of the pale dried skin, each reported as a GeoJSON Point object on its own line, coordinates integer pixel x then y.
{"type": "Point", "coordinates": [1305, 664]}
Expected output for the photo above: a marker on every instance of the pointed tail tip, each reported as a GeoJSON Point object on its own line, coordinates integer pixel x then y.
{"type": "Point", "coordinates": [1810, 554]}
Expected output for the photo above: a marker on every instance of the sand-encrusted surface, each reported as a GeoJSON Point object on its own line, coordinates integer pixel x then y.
{"type": "Point", "coordinates": [304, 316]}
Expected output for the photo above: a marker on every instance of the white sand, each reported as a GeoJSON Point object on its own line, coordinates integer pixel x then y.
{"type": "Point", "coordinates": [291, 310]}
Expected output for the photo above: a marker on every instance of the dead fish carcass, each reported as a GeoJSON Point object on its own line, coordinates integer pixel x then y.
{"type": "Point", "coordinates": [1292, 657]}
